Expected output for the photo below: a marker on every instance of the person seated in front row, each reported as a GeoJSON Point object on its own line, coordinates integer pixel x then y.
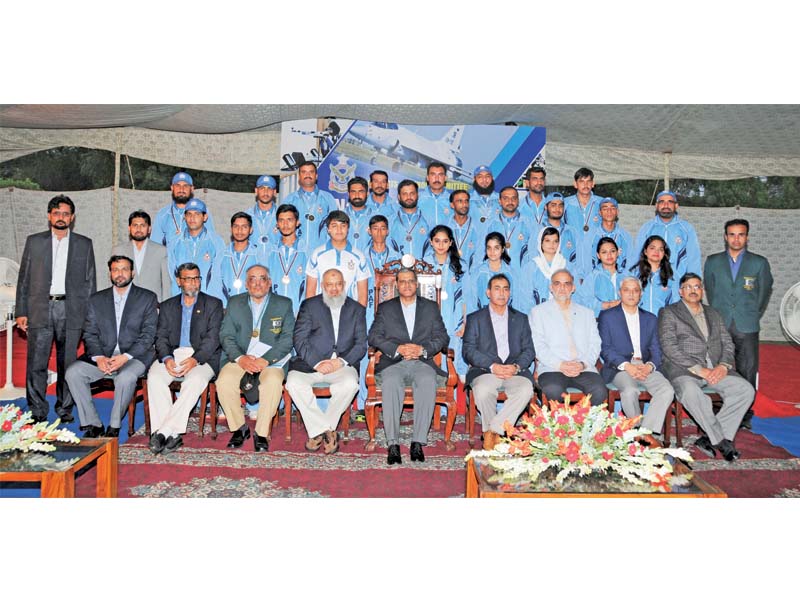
{"type": "Point", "coordinates": [410, 332]}
{"type": "Point", "coordinates": [256, 337]}
{"type": "Point", "coordinates": [330, 339]}
{"type": "Point", "coordinates": [567, 343]}
{"type": "Point", "coordinates": [498, 348]}
{"type": "Point", "coordinates": [631, 356]}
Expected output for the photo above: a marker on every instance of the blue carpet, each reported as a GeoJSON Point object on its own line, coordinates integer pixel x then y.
{"type": "Point", "coordinates": [780, 431]}
{"type": "Point", "coordinates": [32, 489]}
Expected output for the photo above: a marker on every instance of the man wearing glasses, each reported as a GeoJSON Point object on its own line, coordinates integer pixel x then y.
{"type": "Point", "coordinates": [678, 233]}
{"type": "Point", "coordinates": [697, 351]}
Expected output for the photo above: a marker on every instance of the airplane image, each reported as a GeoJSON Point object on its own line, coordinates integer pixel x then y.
{"type": "Point", "coordinates": [405, 146]}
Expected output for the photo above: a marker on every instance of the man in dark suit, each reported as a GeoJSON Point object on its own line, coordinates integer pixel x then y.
{"type": "Point", "coordinates": [56, 278]}
{"type": "Point", "coordinates": [118, 338]}
{"type": "Point", "coordinates": [698, 350]}
{"type": "Point", "coordinates": [256, 337]}
{"type": "Point", "coordinates": [149, 258]}
{"type": "Point", "coordinates": [738, 284]}
{"type": "Point", "coordinates": [187, 346]}
{"type": "Point", "coordinates": [330, 339]}
{"type": "Point", "coordinates": [409, 332]}
{"type": "Point", "coordinates": [498, 348]}
{"type": "Point", "coordinates": [632, 355]}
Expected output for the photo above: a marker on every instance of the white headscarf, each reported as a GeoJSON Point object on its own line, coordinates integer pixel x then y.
{"type": "Point", "coordinates": [559, 262]}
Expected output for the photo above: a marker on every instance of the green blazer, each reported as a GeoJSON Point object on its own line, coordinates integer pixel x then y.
{"type": "Point", "coordinates": [276, 329]}
{"type": "Point", "coordinates": [743, 300]}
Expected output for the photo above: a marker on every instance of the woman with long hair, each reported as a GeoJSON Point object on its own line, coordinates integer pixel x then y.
{"type": "Point", "coordinates": [654, 270]}
{"type": "Point", "coordinates": [600, 289]}
{"type": "Point", "coordinates": [495, 260]}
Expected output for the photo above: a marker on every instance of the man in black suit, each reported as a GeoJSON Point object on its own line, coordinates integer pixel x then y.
{"type": "Point", "coordinates": [118, 338]}
{"type": "Point", "coordinates": [188, 347]}
{"type": "Point", "coordinates": [409, 331]}
{"type": "Point", "coordinates": [330, 338]}
{"type": "Point", "coordinates": [498, 347]}
{"type": "Point", "coordinates": [56, 278]}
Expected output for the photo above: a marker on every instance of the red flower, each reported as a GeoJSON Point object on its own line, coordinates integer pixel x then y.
{"type": "Point", "coordinates": [28, 426]}
{"type": "Point", "coordinates": [618, 431]}
{"type": "Point", "coordinates": [7, 425]}
{"type": "Point", "coordinates": [538, 421]}
{"type": "Point", "coordinates": [40, 434]}
{"type": "Point", "coordinates": [562, 419]}
{"type": "Point", "coordinates": [579, 418]}
{"type": "Point", "coordinates": [600, 438]}
{"type": "Point", "coordinates": [560, 433]}
{"type": "Point", "coordinates": [608, 455]}
{"type": "Point", "coordinates": [545, 459]}
{"type": "Point", "coordinates": [632, 449]}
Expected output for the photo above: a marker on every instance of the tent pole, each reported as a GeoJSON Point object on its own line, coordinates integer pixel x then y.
{"type": "Point", "coordinates": [115, 211]}
{"type": "Point", "coordinates": [667, 157]}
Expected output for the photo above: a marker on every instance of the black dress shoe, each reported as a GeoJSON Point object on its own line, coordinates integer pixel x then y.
{"type": "Point", "coordinates": [157, 443]}
{"type": "Point", "coordinates": [172, 443]}
{"type": "Point", "coordinates": [39, 419]}
{"type": "Point", "coordinates": [728, 450]}
{"type": "Point", "coordinates": [705, 446]}
{"type": "Point", "coordinates": [260, 444]}
{"type": "Point", "coordinates": [394, 455]}
{"type": "Point", "coordinates": [416, 452]}
{"type": "Point", "coordinates": [93, 431]}
{"type": "Point", "coordinates": [66, 418]}
{"type": "Point", "coordinates": [112, 432]}
{"type": "Point", "coordinates": [239, 436]}
{"type": "Point", "coordinates": [746, 424]}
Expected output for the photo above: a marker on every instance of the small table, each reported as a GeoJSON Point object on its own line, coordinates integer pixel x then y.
{"type": "Point", "coordinates": [56, 470]}
{"type": "Point", "coordinates": [480, 484]}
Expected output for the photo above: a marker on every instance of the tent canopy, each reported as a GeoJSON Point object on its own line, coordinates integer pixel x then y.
{"type": "Point", "coordinates": [619, 142]}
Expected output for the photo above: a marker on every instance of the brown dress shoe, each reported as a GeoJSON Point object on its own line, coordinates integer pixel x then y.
{"type": "Point", "coordinates": [490, 440]}
{"type": "Point", "coordinates": [331, 443]}
{"type": "Point", "coordinates": [315, 443]}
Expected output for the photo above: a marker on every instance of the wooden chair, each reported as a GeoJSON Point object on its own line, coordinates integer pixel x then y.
{"type": "Point", "coordinates": [472, 411]}
{"type": "Point", "coordinates": [209, 395]}
{"type": "Point", "coordinates": [644, 397]}
{"type": "Point", "coordinates": [321, 390]}
{"type": "Point", "coordinates": [106, 384]}
{"type": "Point", "coordinates": [386, 289]}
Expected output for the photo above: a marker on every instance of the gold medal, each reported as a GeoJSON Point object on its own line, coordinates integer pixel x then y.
{"type": "Point", "coordinates": [508, 244]}
{"type": "Point", "coordinates": [255, 333]}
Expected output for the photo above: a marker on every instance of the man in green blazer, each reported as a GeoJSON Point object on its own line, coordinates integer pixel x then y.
{"type": "Point", "coordinates": [256, 337]}
{"type": "Point", "coordinates": [738, 284]}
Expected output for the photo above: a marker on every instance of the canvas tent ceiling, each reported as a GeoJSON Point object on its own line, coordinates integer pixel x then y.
{"type": "Point", "coordinates": [619, 142]}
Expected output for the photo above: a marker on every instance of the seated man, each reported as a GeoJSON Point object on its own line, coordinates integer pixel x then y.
{"type": "Point", "coordinates": [632, 355]}
{"type": "Point", "coordinates": [256, 336]}
{"type": "Point", "coordinates": [330, 338]}
{"type": "Point", "coordinates": [187, 345]}
{"type": "Point", "coordinates": [410, 332]}
{"type": "Point", "coordinates": [698, 350]}
{"type": "Point", "coordinates": [499, 350]}
{"type": "Point", "coordinates": [567, 343]}
{"type": "Point", "coordinates": [118, 340]}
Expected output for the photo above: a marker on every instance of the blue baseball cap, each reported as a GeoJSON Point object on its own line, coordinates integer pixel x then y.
{"type": "Point", "coordinates": [195, 204]}
{"type": "Point", "coordinates": [553, 196]}
{"type": "Point", "coordinates": [609, 201]}
{"type": "Point", "coordinates": [667, 193]}
{"type": "Point", "coordinates": [482, 169]}
{"type": "Point", "coordinates": [185, 177]}
{"type": "Point", "coordinates": [266, 181]}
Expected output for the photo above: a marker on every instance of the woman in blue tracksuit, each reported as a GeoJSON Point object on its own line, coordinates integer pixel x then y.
{"type": "Point", "coordinates": [533, 286]}
{"type": "Point", "coordinates": [600, 289]}
{"type": "Point", "coordinates": [659, 286]}
{"type": "Point", "coordinates": [495, 260]}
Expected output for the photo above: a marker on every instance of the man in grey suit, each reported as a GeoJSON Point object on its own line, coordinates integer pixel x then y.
{"type": "Point", "coordinates": [697, 350]}
{"type": "Point", "coordinates": [118, 336]}
{"type": "Point", "coordinates": [149, 258]}
{"type": "Point", "coordinates": [498, 347]}
{"type": "Point", "coordinates": [409, 331]}
{"type": "Point", "coordinates": [56, 278]}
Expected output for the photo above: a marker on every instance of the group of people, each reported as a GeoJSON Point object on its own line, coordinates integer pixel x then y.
{"type": "Point", "coordinates": [540, 287]}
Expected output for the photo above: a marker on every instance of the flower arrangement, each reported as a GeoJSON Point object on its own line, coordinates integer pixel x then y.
{"type": "Point", "coordinates": [565, 440]}
{"type": "Point", "coordinates": [18, 432]}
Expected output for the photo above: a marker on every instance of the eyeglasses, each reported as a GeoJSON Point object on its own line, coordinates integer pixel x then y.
{"type": "Point", "coordinates": [694, 287]}
{"type": "Point", "coordinates": [194, 278]}
{"type": "Point", "coordinates": [257, 278]}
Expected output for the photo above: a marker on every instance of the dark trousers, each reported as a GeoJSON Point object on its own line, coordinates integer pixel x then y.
{"type": "Point", "coordinates": [555, 383]}
{"type": "Point", "coordinates": [746, 357]}
{"type": "Point", "coordinates": [40, 341]}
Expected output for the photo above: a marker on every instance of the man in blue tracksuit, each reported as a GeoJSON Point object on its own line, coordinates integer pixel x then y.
{"type": "Point", "coordinates": [169, 223]}
{"type": "Point", "coordinates": [265, 233]}
{"type": "Point", "coordinates": [582, 210]}
{"type": "Point", "coordinates": [434, 200]}
{"type": "Point", "coordinates": [313, 205]}
{"type": "Point", "coordinates": [197, 244]}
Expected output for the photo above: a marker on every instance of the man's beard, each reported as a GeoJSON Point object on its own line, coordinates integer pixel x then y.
{"type": "Point", "coordinates": [483, 191]}
{"type": "Point", "coordinates": [139, 238]}
{"type": "Point", "coordinates": [122, 283]}
{"type": "Point", "coordinates": [358, 202]}
{"type": "Point", "coordinates": [60, 225]}
{"type": "Point", "coordinates": [177, 200]}
{"type": "Point", "coordinates": [333, 301]}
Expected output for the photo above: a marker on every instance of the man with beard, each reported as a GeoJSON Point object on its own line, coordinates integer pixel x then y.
{"type": "Point", "coordinates": [170, 223]}
{"type": "Point", "coordinates": [198, 244]}
{"type": "Point", "coordinates": [463, 226]}
{"type": "Point", "coordinates": [286, 260]}
{"type": "Point", "coordinates": [697, 350]}
{"type": "Point", "coordinates": [339, 254]}
{"type": "Point", "coordinates": [330, 339]}
{"type": "Point", "coordinates": [514, 228]}
{"type": "Point", "coordinates": [409, 228]}
{"type": "Point", "coordinates": [484, 202]}
{"type": "Point", "coordinates": [679, 235]}
{"type": "Point", "coordinates": [187, 346]}
{"type": "Point", "coordinates": [313, 205]}
{"type": "Point", "coordinates": [582, 210]}
{"type": "Point", "coordinates": [532, 206]}
{"type": "Point", "coordinates": [227, 274]}
{"type": "Point", "coordinates": [263, 213]}
{"type": "Point", "coordinates": [554, 206]}
{"type": "Point", "coordinates": [56, 278]}
{"type": "Point", "coordinates": [434, 201]}
{"type": "Point", "coordinates": [118, 339]}
{"type": "Point", "coordinates": [149, 259]}
{"type": "Point", "coordinates": [567, 343]}
{"type": "Point", "coordinates": [379, 200]}
{"type": "Point", "coordinates": [359, 211]}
